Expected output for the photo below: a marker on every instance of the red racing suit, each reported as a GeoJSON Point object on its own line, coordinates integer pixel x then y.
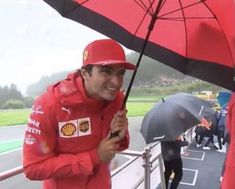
{"type": "Point", "coordinates": [228, 181]}
{"type": "Point", "coordinates": [64, 130]}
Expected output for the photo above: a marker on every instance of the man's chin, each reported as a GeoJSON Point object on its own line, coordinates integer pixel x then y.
{"type": "Point", "coordinates": [110, 97]}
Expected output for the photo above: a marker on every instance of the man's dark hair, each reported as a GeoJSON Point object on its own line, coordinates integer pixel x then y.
{"type": "Point", "coordinates": [88, 68]}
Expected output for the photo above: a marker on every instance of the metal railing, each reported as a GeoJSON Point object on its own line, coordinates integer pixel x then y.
{"type": "Point", "coordinates": [150, 159]}
{"type": "Point", "coordinates": [149, 156]}
{"type": "Point", "coordinates": [10, 173]}
{"type": "Point", "coordinates": [144, 166]}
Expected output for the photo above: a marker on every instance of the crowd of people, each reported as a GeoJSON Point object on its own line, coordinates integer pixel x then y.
{"type": "Point", "coordinates": [215, 126]}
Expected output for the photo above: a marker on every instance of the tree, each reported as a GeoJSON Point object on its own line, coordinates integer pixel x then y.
{"type": "Point", "coordinates": [13, 104]}
{"type": "Point", "coordinates": [14, 93]}
{"type": "Point", "coordinates": [7, 93]}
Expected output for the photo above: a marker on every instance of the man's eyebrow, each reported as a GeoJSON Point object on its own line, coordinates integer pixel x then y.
{"type": "Point", "coordinates": [105, 67]}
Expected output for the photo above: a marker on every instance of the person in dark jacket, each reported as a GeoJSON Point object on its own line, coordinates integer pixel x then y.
{"type": "Point", "coordinates": [171, 154]}
{"type": "Point", "coordinates": [221, 124]}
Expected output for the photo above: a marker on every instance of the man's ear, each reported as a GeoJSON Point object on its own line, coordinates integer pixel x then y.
{"type": "Point", "coordinates": [84, 74]}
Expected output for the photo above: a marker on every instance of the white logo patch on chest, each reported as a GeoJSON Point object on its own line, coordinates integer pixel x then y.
{"type": "Point", "coordinates": [75, 128]}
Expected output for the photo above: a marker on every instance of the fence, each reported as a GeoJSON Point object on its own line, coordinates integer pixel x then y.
{"type": "Point", "coordinates": [143, 170]}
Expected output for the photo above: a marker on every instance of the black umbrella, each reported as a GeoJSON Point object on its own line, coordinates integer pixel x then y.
{"type": "Point", "coordinates": [174, 115]}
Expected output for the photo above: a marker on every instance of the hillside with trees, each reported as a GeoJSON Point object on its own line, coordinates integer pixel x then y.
{"type": "Point", "coordinates": [153, 78]}
{"type": "Point", "coordinates": [11, 98]}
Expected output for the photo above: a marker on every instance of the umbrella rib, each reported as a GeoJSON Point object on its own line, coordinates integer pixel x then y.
{"type": "Point", "coordinates": [141, 4]}
{"type": "Point", "coordinates": [140, 23]}
{"type": "Point", "coordinates": [233, 62]}
{"type": "Point", "coordinates": [180, 9]}
{"type": "Point", "coordinates": [187, 18]}
{"type": "Point", "coordinates": [146, 9]}
{"type": "Point", "coordinates": [151, 7]}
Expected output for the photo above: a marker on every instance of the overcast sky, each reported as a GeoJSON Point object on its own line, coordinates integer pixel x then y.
{"type": "Point", "coordinates": [36, 41]}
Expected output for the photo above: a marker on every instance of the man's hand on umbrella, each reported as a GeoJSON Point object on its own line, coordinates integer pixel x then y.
{"type": "Point", "coordinates": [119, 124]}
{"type": "Point", "coordinates": [107, 148]}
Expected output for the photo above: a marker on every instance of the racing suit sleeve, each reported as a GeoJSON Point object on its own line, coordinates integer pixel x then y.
{"type": "Point", "coordinates": [40, 160]}
{"type": "Point", "coordinates": [228, 181]}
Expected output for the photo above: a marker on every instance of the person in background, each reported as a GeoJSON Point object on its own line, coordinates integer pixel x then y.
{"type": "Point", "coordinates": [67, 142]}
{"type": "Point", "coordinates": [221, 124]}
{"type": "Point", "coordinates": [228, 181]}
{"type": "Point", "coordinates": [202, 130]}
{"type": "Point", "coordinates": [171, 154]}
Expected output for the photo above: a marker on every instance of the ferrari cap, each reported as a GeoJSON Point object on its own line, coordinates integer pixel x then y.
{"type": "Point", "coordinates": [105, 52]}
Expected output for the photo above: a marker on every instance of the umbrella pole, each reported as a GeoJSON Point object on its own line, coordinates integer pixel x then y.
{"type": "Point", "coordinates": [150, 28]}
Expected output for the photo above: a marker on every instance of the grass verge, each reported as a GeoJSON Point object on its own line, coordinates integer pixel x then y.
{"type": "Point", "coordinates": [136, 107]}
{"type": "Point", "coordinates": [14, 117]}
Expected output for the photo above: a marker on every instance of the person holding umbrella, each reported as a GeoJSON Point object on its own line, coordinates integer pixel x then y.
{"type": "Point", "coordinates": [171, 154]}
{"type": "Point", "coordinates": [67, 141]}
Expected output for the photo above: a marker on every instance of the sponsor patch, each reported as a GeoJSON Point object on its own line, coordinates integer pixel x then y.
{"type": "Point", "coordinates": [68, 129]}
{"type": "Point", "coordinates": [33, 122]}
{"type": "Point", "coordinates": [37, 109]}
{"type": "Point", "coordinates": [84, 126]}
{"type": "Point", "coordinates": [33, 130]}
{"type": "Point", "coordinates": [65, 109]}
{"type": "Point", "coordinates": [75, 128]}
{"type": "Point", "coordinates": [29, 139]}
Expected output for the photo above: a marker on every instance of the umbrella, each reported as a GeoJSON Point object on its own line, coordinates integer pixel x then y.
{"type": "Point", "coordinates": [223, 98]}
{"type": "Point", "coordinates": [174, 115]}
{"type": "Point", "coordinates": [196, 37]}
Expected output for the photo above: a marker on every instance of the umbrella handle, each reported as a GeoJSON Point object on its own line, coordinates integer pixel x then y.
{"type": "Point", "coordinates": [114, 134]}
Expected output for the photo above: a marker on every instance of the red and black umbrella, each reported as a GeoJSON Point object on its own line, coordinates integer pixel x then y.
{"type": "Point", "coordinates": [196, 37]}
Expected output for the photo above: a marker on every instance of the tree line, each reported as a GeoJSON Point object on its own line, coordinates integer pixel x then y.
{"type": "Point", "coordinates": [153, 78]}
{"type": "Point", "coordinates": [11, 98]}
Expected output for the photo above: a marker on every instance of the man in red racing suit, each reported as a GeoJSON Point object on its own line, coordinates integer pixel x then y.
{"type": "Point", "coordinates": [67, 140]}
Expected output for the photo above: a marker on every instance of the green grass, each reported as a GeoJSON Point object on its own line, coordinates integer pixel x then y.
{"type": "Point", "coordinates": [138, 109]}
{"type": "Point", "coordinates": [144, 98]}
{"type": "Point", "coordinates": [14, 117]}
{"type": "Point", "coordinates": [137, 106]}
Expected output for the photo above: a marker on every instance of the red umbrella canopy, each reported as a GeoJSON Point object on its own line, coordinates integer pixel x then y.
{"type": "Point", "coordinates": [196, 37]}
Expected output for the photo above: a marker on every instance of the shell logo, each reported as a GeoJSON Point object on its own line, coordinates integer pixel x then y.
{"type": "Point", "coordinates": [68, 129]}
{"type": "Point", "coordinates": [84, 126]}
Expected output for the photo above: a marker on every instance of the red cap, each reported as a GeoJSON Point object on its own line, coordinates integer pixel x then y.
{"type": "Point", "coordinates": [105, 52]}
